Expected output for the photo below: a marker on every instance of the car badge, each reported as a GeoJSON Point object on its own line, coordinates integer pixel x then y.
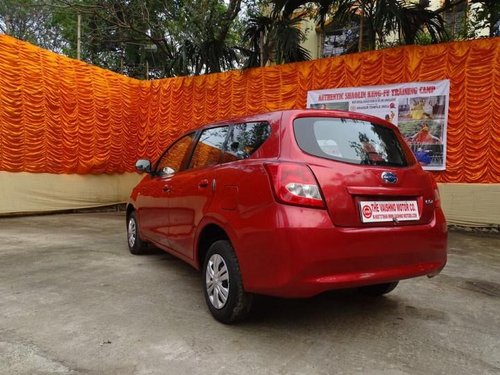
{"type": "Point", "coordinates": [389, 177]}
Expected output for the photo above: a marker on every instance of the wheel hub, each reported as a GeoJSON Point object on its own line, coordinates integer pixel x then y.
{"type": "Point", "coordinates": [132, 229]}
{"type": "Point", "coordinates": [217, 281]}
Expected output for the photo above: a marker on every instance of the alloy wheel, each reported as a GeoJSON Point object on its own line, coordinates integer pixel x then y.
{"type": "Point", "coordinates": [132, 232]}
{"type": "Point", "coordinates": [217, 281]}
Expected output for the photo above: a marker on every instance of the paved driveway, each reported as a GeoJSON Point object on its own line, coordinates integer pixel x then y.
{"type": "Point", "coordinates": [73, 301]}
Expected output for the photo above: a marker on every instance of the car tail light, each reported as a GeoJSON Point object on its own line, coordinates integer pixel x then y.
{"type": "Point", "coordinates": [437, 197]}
{"type": "Point", "coordinates": [295, 184]}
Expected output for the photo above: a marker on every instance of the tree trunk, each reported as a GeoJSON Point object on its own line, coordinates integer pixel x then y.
{"type": "Point", "coordinates": [494, 16]}
{"type": "Point", "coordinates": [361, 31]}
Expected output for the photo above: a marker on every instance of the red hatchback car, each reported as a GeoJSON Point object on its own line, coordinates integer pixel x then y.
{"type": "Point", "coordinates": [290, 204]}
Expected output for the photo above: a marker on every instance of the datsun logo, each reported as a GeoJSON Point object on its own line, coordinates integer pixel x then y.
{"type": "Point", "coordinates": [389, 177]}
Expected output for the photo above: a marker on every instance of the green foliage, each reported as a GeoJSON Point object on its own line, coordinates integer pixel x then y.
{"type": "Point", "coordinates": [423, 39]}
{"type": "Point", "coordinates": [487, 16]}
{"type": "Point", "coordinates": [204, 35]}
{"type": "Point", "coordinates": [158, 38]}
{"type": "Point", "coordinates": [378, 19]}
{"type": "Point", "coordinates": [141, 38]}
{"type": "Point", "coordinates": [274, 38]}
{"type": "Point", "coordinates": [395, 22]}
{"type": "Point", "coordinates": [32, 21]}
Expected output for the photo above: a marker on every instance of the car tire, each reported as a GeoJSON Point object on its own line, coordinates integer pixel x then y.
{"type": "Point", "coordinates": [222, 285]}
{"type": "Point", "coordinates": [136, 245]}
{"type": "Point", "coordinates": [378, 289]}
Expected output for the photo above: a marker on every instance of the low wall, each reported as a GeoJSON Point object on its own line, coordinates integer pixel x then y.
{"type": "Point", "coordinates": [463, 204]}
{"type": "Point", "coordinates": [471, 204]}
{"type": "Point", "coordinates": [43, 192]}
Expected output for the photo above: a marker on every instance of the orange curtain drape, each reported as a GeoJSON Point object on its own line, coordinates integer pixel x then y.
{"type": "Point", "coordinates": [59, 115]}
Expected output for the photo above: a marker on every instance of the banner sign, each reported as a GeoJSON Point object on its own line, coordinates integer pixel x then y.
{"type": "Point", "coordinates": [418, 109]}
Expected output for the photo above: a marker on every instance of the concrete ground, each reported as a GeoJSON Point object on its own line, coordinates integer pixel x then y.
{"type": "Point", "coordinates": [74, 301]}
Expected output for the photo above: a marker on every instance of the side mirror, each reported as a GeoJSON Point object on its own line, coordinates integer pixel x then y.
{"type": "Point", "coordinates": [143, 166]}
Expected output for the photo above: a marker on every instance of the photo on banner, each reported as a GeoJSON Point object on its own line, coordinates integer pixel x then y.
{"type": "Point", "coordinates": [418, 109]}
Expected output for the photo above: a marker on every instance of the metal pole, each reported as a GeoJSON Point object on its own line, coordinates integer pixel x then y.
{"type": "Point", "coordinates": [78, 35]}
{"type": "Point", "coordinates": [261, 47]}
{"type": "Point", "coordinates": [361, 31]}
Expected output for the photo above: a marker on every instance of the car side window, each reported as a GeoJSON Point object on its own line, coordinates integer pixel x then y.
{"type": "Point", "coordinates": [245, 139]}
{"type": "Point", "coordinates": [209, 149]}
{"type": "Point", "coordinates": [171, 161]}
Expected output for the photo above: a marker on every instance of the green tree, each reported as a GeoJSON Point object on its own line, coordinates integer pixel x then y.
{"type": "Point", "coordinates": [164, 38]}
{"type": "Point", "coordinates": [377, 18]}
{"type": "Point", "coordinates": [489, 16]}
{"type": "Point", "coordinates": [274, 38]}
{"type": "Point", "coordinates": [206, 41]}
{"type": "Point", "coordinates": [32, 21]}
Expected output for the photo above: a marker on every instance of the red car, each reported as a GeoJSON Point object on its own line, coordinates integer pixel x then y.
{"type": "Point", "coordinates": [290, 204]}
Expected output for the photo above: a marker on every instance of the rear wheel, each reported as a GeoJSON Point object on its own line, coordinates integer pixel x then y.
{"type": "Point", "coordinates": [135, 244]}
{"type": "Point", "coordinates": [222, 286]}
{"type": "Point", "coordinates": [378, 289]}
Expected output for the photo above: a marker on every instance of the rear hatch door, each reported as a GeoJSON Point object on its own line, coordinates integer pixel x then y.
{"type": "Point", "coordinates": [367, 174]}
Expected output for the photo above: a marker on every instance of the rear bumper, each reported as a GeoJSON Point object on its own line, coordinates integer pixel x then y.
{"type": "Point", "coordinates": [309, 256]}
{"type": "Point", "coordinates": [311, 286]}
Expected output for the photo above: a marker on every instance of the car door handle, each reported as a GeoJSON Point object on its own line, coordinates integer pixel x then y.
{"type": "Point", "coordinates": [203, 183]}
{"type": "Point", "coordinates": [167, 189]}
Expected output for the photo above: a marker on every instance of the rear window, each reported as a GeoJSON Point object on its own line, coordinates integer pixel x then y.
{"type": "Point", "coordinates": [349, 140]}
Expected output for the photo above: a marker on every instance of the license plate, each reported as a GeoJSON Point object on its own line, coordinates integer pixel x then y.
{"type": "Point", "coordinates": [385, 211]}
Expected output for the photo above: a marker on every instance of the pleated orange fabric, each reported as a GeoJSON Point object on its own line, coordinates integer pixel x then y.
{"type": "Point", "coordinates": [59, 115]}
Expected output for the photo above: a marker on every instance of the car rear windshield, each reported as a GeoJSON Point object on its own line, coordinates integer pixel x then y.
{"type": "Point", "coordinates": [349, 140]}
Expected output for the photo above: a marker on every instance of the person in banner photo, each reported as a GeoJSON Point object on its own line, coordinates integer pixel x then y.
{"type": "Point", "coordinates": [391, 115]}
{"type": "Point", "coordinates": [426, 146]}
{"type": "Point", "coordinates": [424, 136]}
{"type": "Point", "coordinates": [421, 121]}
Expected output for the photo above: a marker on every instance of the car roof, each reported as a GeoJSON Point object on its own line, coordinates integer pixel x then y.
{"type": "Point", "coordinates": [289, 115]}
{"type": "Point", "coordinates": [293, 113]}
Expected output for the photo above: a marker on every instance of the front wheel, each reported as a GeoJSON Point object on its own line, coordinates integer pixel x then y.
{"type": "Point", "coordinates": [222, 286]}
{"type": "Point", "coordinates": [378, 289]}
{"type": "Point", "coordinates": [135, 244]}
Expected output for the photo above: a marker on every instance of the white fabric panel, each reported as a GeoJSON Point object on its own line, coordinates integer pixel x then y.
{"type": "Point", "coordinates": [471, 204]}
{"type": "Point", "coordinates": [43, 192]}
{"type": "Point", "coordinates": [463, 204]}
